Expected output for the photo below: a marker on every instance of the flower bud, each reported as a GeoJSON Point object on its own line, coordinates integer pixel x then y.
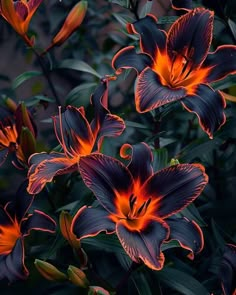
{"type": "Point", "coordinates": [65, 220]}
{"type": "Point", "coordinates": [11, 105]}
{"type": "Point", "coordinates": [72, 22]}
{"type": "Point", "coordinates": [24, 119]}
{"type": "Point", "coordinates": [27, 143]}
{"type": "Point", "coordinates": [95, 290]}
{"type": "Point", "coordinates": [174, 162]}
{"type": "Point", "coordinates": [77, 276]}
{"type": "Point", "coordinates": [49, 271]}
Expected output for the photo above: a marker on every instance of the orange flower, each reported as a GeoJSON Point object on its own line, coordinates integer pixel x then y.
{"type": "Point", "coordinates": [18, 137]}
{"type": "Point", "coordinates": [77, 138]}
{"type": "Point", "coordinates": [138, 204]}
{"type": "Point", "coordinates": [177, 66]}
{"type": "Point", "coordinates": [15, 224]}
{"type": "Point", "coordinates": [18, 14]}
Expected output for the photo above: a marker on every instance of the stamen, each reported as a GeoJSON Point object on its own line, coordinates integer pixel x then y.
{"type": "Point", "coordinates": [61, 138]}
{"type": "Point", "coordinates": [132, 201]}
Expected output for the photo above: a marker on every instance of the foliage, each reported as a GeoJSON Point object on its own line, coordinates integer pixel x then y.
{"type": "Point", "coordinates": [69, 59]}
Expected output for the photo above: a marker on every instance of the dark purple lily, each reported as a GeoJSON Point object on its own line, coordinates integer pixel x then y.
{"type": "Point", "coordinates": [138, 204]}
{"type": "Point", "coordinates": [177, 66]}
{"type": "Point", "coordinates": [77, 138]}
{"type": "Point", "coordinates": [15, 224]}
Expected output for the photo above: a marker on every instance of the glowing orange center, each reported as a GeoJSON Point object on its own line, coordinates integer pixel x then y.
{"type": "Point", "coordinates": [8, 236]}
{"type": "Point", "coordinates": [135, 211]}
{"type": "Point", "coordinates": [179, 70]}
{"type": "Point", "coordinates": [8, 136]}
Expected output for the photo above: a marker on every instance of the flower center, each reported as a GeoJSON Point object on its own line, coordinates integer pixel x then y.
{"type": "Point", "coordinates": [8, 236]}
{"type": "Point", "coordinates": [137, 210]}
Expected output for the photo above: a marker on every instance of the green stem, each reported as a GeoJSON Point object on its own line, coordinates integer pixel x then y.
{"type": "Point", "coordinates": [47, 76]}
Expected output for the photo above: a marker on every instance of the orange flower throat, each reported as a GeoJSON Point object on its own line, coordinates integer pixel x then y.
{"type": "Point", "coordinates": [8, 236]}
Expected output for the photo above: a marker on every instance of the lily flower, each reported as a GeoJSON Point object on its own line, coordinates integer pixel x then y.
{"type": "Point", "coordinates": [137, 203]}
{"type": "Point", "coordinates": [18, 14]}
{"type": "Point", "coordinates": [77, 138]}
{"type": "Point", "coordinates": [15, 224]}
{"type": "Point", "coordinates": [177, 66]}
{"type": "Point", "coordinates": [18, 137]}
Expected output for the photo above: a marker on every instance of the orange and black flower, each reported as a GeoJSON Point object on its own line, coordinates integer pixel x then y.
{"type": "Point", "coordinates": [177, 66]}
{"type": "Point", "coordinates": [15, 224]}
{"type": "Point", "coordinates": [77, 138]}
{"type": "Point", "coordinates": [18, 14]}
{"type": "Point", "coordinates": [137, 204]}
{"type": "Point", "coordinates": [17, 136]}
{"type": "Point", "coordinates": [227, 273]}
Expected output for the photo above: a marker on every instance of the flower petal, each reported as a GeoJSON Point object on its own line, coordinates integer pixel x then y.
{"type": "Point", "coordinates": [54, 164]}
{"type": "Point", "coordinates": [112, 126]}
{"type": "Point", "coordinates": [104, 123]}
{"type": "Point", "coordinates": [221, 63]}
{"type": "Point", "coordinates": [141, 159]}
{"type": "Point", "coordinates": [151, 94]}
{"type": "Point", "coordinates": [3, 155]}
{"type": "Point", "coordinates": [21, 9]}
{"type": "Point", "coordinates": [19, 206]}
{"type": "Point", "coordinates": [73, 131]}
{"type": "Point", "coordinates": [10, 15]}
{"type": "Point", "coordinates": [90, 221]}
{"type": "Point", "coordinates": [127, 58]}
{"type": "Point", "coordinates": [182, 4]}
{"type": "Point", "coordinates": [228, 269]}
{"type": "Point", "coordinates": [38, 221]}
{"type": "Point", "coordinates": [190, 37]}
{"type": "Point", "coordinates": [144, 245]}
{"type": "Point", "coordinates": [175, 187]}
{"type": "Point", "coordinates": [107, 178]}
{"type": "Point", "coordinates": [12, 265]}
{"type": "Point", "coordinates": [152, 39]}
{"type": "Point", "coordinates": [208, 105]}
{"type": "Point", "coordinates": [187, 233]}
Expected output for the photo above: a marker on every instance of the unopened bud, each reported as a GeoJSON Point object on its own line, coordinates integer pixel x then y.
{"type": "Point", "coordinates": [49, 271]}
{"type": "Point", "coordinates": [72, 22]}
{"type": "Point", "coordinates": [11, 105]}
{"type": "Point", "coordinates": [95, 290]}
{"type": "Point", "coordinates": [174, 162]}
{"type": "Point", "coordinates": [77, 276]}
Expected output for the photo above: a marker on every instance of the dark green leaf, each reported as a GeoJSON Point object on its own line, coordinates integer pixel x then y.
{"type": "Point", "coordinates": [78, 65]}
{"type": "Point", "coordinates": [181, 282]}
{"type": "Point", "coordinates": [24, 77]}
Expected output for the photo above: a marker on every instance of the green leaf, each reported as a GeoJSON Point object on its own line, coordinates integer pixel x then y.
{"type": "Point", "coordinates": [146, 9]}
{"type": "Point", "coordinates": [78, 65]}
{"type": "Point", "coordinates": [181, 282]}
{"type": "Point", "coordinates": [123, 19]}
{"type": "Point", "coordinates": [192, 213]}
{"type": "Point", "coordinates": [123, 3]}
{"type": "Point", "coordinates": [141, 283]}
{"type": "Point", "coordinates": [24, 77]}
{"type": "Point", "coordinates": [109, 243]}
{"type": "Point", "coordinates": [135, 125]}
{"type": "Point", "coordinates": [80, 95]}
{"type": "Point", "coordinates": [198, 148]}
{"type": "Point", "coordinates": [160, 159]}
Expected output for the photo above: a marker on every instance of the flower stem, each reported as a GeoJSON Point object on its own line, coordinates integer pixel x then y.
{"type": "Point", "coordinates": [47, 75]}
